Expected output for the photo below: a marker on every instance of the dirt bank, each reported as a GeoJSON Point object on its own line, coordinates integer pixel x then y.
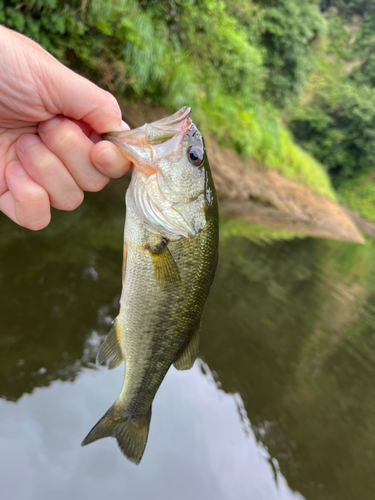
{"type": "Point", "coordinates": [249, 191]}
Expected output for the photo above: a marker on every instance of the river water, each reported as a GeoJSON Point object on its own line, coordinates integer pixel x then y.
{"type": "Point", "coordinates": [280, 404]}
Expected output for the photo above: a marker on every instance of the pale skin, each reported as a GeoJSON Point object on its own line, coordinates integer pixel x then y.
{"type": "Point", "coordinates": [51, 120]}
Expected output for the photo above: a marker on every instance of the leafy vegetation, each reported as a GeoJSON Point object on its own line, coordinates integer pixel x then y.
{"type": "Point", "coordinates": [349, 7]}
{"type": "Point", "coordinates": [289, 32]}
{"type": "Point", "coordinates": [336, 119]}
{"type": "Point", "coordinates": [338, 128]}
{"type": "Point", "coordinates": [359, 194]}
{"type": "Point", "coordinates": [236, 64]}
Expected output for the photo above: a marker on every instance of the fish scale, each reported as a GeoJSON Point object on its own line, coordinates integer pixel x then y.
{"type": "Point", "coordinates": [167, 276]}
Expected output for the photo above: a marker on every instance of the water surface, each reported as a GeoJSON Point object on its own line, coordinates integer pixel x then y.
{"type": "Point", "coordinates": [280, 405]}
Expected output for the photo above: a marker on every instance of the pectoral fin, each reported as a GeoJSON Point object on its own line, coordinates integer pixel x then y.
{"type": "Point", "coordinates": [110, 351]}
{"type": "Point", "coordinates": [163, 263]}
{"type": "Point", "coordinates": [190, 353]}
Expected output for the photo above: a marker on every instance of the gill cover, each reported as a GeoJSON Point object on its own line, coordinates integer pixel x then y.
{"type": "Point", "coordinates": [167, 189]}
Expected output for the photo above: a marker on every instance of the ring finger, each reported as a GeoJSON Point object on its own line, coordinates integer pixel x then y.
{"type": "Point", "coordinates": [49, 172]}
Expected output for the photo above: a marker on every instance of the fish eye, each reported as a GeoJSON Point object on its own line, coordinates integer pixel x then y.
{"type": "Point", "coordinates": [195, 155]}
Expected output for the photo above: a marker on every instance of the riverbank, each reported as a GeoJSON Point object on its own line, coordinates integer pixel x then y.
{"type": "Point", "coordinates": [250, 192]}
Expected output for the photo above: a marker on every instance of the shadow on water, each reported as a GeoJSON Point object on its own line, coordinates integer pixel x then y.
{"type": "Point", "coordinates": [289, 327]}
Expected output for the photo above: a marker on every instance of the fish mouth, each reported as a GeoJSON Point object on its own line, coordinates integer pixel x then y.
{"type": "Point", "coordinates": [143, 146]}
{"type": "Point", "coordinates": [153, 133]}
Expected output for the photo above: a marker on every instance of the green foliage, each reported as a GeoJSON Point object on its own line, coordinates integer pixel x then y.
{"type": "Point", "coordinates": [296, 164]}
{"type": "Point", "coordinates": [363, 50]}
{"type": "Point", "coordinates": [336, 119]}
{"type": "Point", "coordinates": [217, 43]}
{"type": "Point", "coordinates": [254, 232]}
{"type": "Point", "coordinates": [41, 21]}
{"type": "Point", "coordinates": [359, 194]}
{"type": "Point", "coordinates": [348, 7]}
{"type": "Point", "coordinates": [338, 128]}
{"type": "Point", "coordinates": [289, 32]}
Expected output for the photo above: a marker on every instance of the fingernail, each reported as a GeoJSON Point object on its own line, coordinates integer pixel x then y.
{"type": "Point", "coordinates": [108, 158]}
{"type": "Point", "coordinates": [18, 169]}
{"type": "Point", "coordinates": [44, 126]}
{"type": "Point", "coordinates": [124, 126]}
{"type": "Point", "coordinates": [27, 140]}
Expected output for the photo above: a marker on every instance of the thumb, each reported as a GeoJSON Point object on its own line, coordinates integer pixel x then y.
{"type": "Point", "coordinates": [76, 97]}
{"type": "Point", "coordinates": [61, 90]}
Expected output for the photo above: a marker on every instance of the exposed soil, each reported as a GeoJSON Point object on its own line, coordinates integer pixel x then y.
{"type": "Point", "coordinates": [256, 194]}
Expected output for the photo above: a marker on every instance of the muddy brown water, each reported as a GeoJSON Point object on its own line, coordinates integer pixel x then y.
{"type": "Point", "coordinates": [280, 404]}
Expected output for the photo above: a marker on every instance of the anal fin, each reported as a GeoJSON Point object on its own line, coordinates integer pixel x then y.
{"type": "Point", "coordinates": [189, 354]}
{"type": "Point", "coordinates": [110, 351]}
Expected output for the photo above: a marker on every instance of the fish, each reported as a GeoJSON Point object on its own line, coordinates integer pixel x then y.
{"type": "Point", "coordinates": [170, 258]}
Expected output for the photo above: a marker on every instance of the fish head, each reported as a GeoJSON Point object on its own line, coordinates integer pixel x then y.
{"type": "Point", "coordinates": [169, 181]}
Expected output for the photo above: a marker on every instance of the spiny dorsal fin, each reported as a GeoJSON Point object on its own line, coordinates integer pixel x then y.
{"type": "Point", "coordinates": [189, 354]}
{"type": "Point", "coordinates": [110, 350]}
{"type": "Point", "coordinates": [163, 263]}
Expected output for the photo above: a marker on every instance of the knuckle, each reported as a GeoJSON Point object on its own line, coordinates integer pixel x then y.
{"type": "Point", "coordinates": [112, 101]}
{"type": "Point", "coordinates": [96, 184]}
{"type": "Point", "coordinates": [44, 162]}
{"type": "Point", "coordinates": [41, 159]}
{"type": "Point", "coordinates": [66, 141]}
{"type": "Point", "coordinates": [35, 153]}
{"type": "Point", "coordinates": [72, 201]}
{"type": "Point", "coordinates": [34, 198]}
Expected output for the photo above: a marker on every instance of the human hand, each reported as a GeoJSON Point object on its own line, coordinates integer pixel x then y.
{"type": "Point", "coordinates": [50, 125]}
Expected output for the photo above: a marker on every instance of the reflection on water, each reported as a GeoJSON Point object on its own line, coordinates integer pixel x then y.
{"type": "Point", "coordinates": [198, 446]}
{"type": "Point", "coordinates": [282, 405]}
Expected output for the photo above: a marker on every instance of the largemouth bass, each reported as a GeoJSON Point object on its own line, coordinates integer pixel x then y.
{"type": "Point", "coordinates": [170, 258]}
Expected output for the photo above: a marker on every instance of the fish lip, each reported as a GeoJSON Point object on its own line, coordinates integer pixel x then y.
{"type": "Point", "coordinates": [177, 117]}
{"type": "Point", "coordinates": [142, 145]}
{"type": "Point", "coordinates": [156, 132]}
{"type": "Point", "coordinates": [111, 138]}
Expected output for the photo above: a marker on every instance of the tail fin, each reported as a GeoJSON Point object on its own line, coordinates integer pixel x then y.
{"type": "Point", "coordinates": [131, 433]}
